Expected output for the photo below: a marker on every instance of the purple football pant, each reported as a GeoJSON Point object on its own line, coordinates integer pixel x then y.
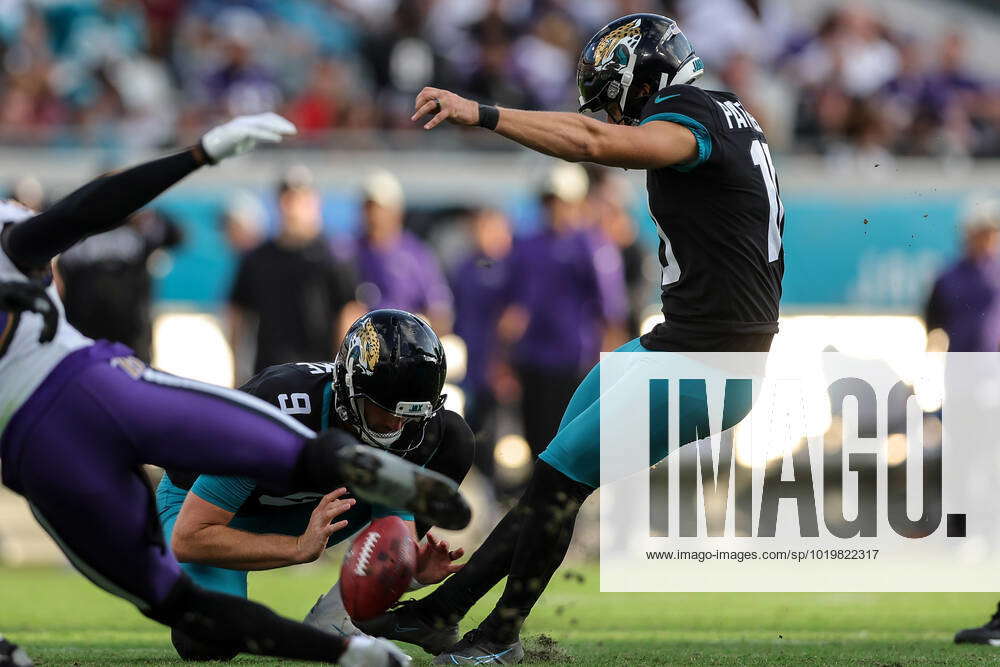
{"type": "Point", "coordinates": [75, 450]}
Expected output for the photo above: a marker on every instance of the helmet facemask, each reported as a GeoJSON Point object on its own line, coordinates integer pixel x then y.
{"type": "Point", "coordinates": [351, 408]}
{"type": "Point", "coordinates": [413, 415]}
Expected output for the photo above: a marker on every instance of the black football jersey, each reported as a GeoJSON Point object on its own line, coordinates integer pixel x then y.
{"type": "Point", "coordinates": [720, 218]}
{"type": "Point", "coordinates": [444, 443]}
{"type": "Point", "coordinates": [304, 390]}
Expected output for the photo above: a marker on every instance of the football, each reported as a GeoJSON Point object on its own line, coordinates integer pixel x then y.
{"type": "Point", "coordinates": [378, 568]}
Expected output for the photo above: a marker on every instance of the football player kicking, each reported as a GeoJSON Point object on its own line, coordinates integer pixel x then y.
{"type": "Point", "coordinates": [714, 197]}
{"type": "Point", "coordinates": [78, 419]}
{"type": "Point", "coordinates": [385, 388]}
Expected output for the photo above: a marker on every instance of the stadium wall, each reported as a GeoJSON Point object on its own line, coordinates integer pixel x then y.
{"type": "Point", "coordinates": [859, 237]}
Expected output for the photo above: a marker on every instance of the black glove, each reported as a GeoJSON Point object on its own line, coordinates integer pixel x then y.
{"type": "Point", "coordinates": [17, 297]}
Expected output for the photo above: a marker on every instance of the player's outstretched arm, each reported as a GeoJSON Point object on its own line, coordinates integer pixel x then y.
{"type": "Point", "coordinates": [107, 201]}
{"type": "Point", "coordinates": [202, 535]}
{"type": "Point", "coordinates": [568, 136]}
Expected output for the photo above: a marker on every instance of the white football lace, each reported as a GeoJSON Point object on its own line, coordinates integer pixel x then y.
{"type": "Point", "coordinates": [366, 553]}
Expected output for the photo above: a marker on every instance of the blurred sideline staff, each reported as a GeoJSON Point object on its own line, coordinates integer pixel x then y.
{"type": "Point", "coordinates": [291, 287]}
{"type": "Point", "coordinates": [568, 301]}
{"type": "Point", "coordinates": [396, 269]}
{"type": "Point", "coordinates": [608, 201]}
{"type": "Point", "coordinates": [965, 300]}
{"type": "Point", "coordinates": [481, 283]}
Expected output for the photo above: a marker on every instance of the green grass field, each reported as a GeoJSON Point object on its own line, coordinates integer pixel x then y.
{"type": "Point", "coordinates": [63, 620]}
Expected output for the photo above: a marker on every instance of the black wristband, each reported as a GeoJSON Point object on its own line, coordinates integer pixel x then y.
{"type": "Point", "coordinates": [489, 116]}
{"type": "Point", "coordinates": [201, 156]}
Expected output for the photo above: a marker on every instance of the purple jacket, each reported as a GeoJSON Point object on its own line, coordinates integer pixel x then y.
{"type": "Point", "coordinates": [406, 276]}
{"type": "Point", "coordinates": [965, 302]}
{"type": "Point", "coordinates": [572, 286]}
{"type": "Point", "coordinates": [482, 292]}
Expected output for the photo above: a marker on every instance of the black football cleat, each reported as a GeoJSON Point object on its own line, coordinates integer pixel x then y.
{"type": "Point", "coordinates": [13, 656]}
{"type": "Point", "coordinates": [404, 624]}
{"type": "Point", "coordinates": [385, 479]}
{"type": "Point", "coordinates": [988, 634]}
{"type": "Point", "coordinates": [477, 649]}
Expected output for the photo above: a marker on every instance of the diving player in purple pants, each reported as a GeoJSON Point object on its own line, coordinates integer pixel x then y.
{"type": "Point", "coordinates": [78, 419]}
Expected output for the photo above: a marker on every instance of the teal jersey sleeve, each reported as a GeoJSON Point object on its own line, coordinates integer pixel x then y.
{"type": "Point", "coordinates": [379, 511]}
{"type": "Point", "coordinates": [229, 493]}
{"type": "Point", "coordinates": [691, 108]}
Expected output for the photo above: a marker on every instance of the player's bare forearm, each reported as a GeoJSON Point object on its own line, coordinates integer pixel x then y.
{"type": "Point", "coordinates": [202, 534]}
{"type": "Point", "coordinates": [568, 136]}
{"type": "Point", "coordinates": [223, 546]}
{"type": "Point", "coordinates": [579, 138]}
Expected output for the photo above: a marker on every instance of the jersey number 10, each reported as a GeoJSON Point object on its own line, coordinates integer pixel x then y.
{"type": "Point", "coordinates": [761, 155]}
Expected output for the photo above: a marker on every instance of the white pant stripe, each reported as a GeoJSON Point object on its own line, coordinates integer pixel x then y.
{"type": "Point", "coordinates": [233, 395]}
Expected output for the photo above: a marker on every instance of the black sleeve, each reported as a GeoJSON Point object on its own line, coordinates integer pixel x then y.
{"type": "Point", "coordinates": [98, 206]}
{"type": "Point", "coordinates": [692, 108]}
{"type": "Point", "coordinates": [454, 455]}
{"type": "Point", "coordinates": [274, 380]}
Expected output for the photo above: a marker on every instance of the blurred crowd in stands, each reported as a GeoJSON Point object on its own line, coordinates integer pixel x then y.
{"type": "Point", "coordinates": [151, 72]}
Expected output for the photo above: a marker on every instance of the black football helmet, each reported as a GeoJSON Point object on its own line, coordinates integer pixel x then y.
{"type": "Point", "coordinates": [395, 360]}
{"type": "Point", "coordinates": [625, 54]}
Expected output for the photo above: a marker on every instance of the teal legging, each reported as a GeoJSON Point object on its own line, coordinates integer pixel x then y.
{"type": "Point", "coordinates": [169, 499]}
{"type": "Point", "coordinates": [575, 450]}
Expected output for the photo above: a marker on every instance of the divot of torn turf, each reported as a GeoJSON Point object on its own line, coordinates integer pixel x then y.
{"type": "Point", "coordinates": [544, 648]}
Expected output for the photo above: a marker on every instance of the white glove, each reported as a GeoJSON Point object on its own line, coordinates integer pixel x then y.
{"type": "Point", "coordinates": [370, 652]}
{"type": "Point", "coordinates": [243, 133]}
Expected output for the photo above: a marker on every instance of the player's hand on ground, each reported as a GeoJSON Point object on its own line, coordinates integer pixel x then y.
{"type": "Point", "coordinates": [435, 562]}
{"type": "Point", "coordinates": [310, 545]}
{"type": "Point", "coordinates": [443, 105]}
{"type": "Point", "coordinates": [367, 651]}
{"type": "Point", "coordinates": [243, 133]}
